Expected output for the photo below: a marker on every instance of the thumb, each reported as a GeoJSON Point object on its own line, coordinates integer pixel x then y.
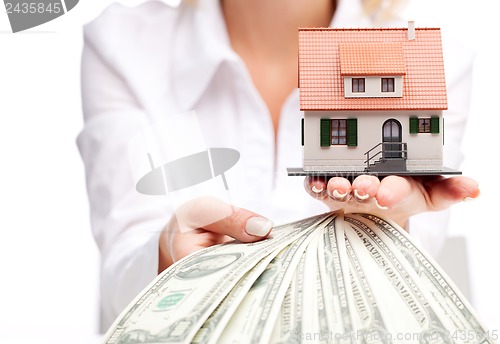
{"type": "Point", "coordinates": [216, 216]}
{"type": "Point", "coordinates": [448, 191]}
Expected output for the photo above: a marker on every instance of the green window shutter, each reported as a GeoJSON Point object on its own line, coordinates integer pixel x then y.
{"type": "Point", "coordinates": [325, 132]}
{"type": "Point", "coordinates": [413, 125]}
{"type": "Point", "coordinates": [352, 132]}
{"type": "Point", "coordinates": [302, 128]}
{"type": "Point", "coordinates": [435, 125]}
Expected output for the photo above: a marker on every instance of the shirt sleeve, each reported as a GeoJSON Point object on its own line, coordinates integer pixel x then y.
{"type": "Point", "coordinates": [126, 224]}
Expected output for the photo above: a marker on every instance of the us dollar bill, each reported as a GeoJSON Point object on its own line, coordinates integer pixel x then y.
{"type": "Point", "coordinates": [422, 318]}
{"type": "Point", "coordinates": [255, 316]}
{"type": "Point", "coordinates": [452, 307]}
{"type": "Point", "coordinates": [333, 278]}
{"type": "Point", "coordinates": [175, 306]}
{"type": "Point", "coordinates": [215, 324]}
{"type": "Point", "coordinates": [310, 322]}
{"type": "Point", "coordinates": [395, 289]}
{"type": "Point", "coordinates": [266, 322]}
{"type": "Point", "coordinates": [335, 281]}
{"type": "Point", "coordinates": [288, 326]}
{"type": "Point", "coordinates": [368, 322]}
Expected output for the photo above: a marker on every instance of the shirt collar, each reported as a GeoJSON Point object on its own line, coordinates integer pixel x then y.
{"type": "Point", "coordinates": [201, 45]}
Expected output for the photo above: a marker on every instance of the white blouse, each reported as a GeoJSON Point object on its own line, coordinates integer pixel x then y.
{"type": "Point", "coordinates": [141, 68]}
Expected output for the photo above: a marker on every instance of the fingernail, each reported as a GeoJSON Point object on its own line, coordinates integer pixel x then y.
{"type": "Point", "coordinates": [469, 198]}
{"type": "Point", "coordinates": [381, 207]}
{"type": "Point", "coordinates": [339, 196]}
{"type": "Point", "coordinates": [360, 198]}
{"type": "Point", "coordinates": [258, 226]}
{"type": "Point", "coordinates": [316, 190]}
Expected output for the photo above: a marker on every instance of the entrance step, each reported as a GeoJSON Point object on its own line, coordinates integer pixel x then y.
{"type": "Point", "coordinates": [389, 165]}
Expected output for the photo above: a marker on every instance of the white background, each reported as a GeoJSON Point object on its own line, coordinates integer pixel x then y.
{"type": "Point", "coordinates": [48, 260]}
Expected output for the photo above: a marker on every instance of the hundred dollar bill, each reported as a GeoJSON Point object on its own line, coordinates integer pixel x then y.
{"type": "Point", "coordinates": [454, 310]}
{"type": "Point", "coordinates": [176, 304]}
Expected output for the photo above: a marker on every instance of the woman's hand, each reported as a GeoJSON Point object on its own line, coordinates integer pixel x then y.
{"type": "Point", "coordinates": [204, 222]}
{"type": "Point", "coordinates": [395, 197]}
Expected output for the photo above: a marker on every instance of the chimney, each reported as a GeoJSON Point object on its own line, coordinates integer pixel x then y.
{"type": "Point", "coordinates": [411, 30]}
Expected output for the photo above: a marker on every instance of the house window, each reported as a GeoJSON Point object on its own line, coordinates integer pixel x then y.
{"type": "Point", "coordinates": [424, 125]}
{"type": "Point", "coordinates": [339, 131]}
{"type": "Point", "coordinates": [387, 84]}
{"type": "Point", "coordinates": [358, 85]}
{"type": "Point", "coordinates": [420, 125]}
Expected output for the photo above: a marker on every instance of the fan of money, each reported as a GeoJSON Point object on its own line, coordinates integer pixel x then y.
{"type": "Point", "coordinates": [332, 278]}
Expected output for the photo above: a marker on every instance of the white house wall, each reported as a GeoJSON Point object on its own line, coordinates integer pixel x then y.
{"type": "Point", "coordinates": [425, 150]}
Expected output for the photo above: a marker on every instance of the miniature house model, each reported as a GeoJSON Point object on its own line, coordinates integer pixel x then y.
{"type": "Point", "coordinates": [373, 100]}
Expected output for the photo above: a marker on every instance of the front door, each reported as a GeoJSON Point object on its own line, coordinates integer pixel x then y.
{"type": "Point", "coordinates": [391, 132]}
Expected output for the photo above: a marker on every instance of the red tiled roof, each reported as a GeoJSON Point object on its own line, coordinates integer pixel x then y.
{"type": "Point", "coordinates": [420, 61]}
{"type": "Point", "coordinates": [385, 58]}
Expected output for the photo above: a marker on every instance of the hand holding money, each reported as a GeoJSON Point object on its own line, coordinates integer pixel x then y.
{"type": "Point", "coordinates": [207, 221]}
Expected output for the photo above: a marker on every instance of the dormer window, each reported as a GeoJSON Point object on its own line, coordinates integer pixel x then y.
{"type": "Point", "coordinates": [372, 70]}
{"type": "Point", "coordinates": [373, 87]}
{"type": "Point", "coordinates": [387, 84]}
{"type": "Point", "coordinates": [358, 85]}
